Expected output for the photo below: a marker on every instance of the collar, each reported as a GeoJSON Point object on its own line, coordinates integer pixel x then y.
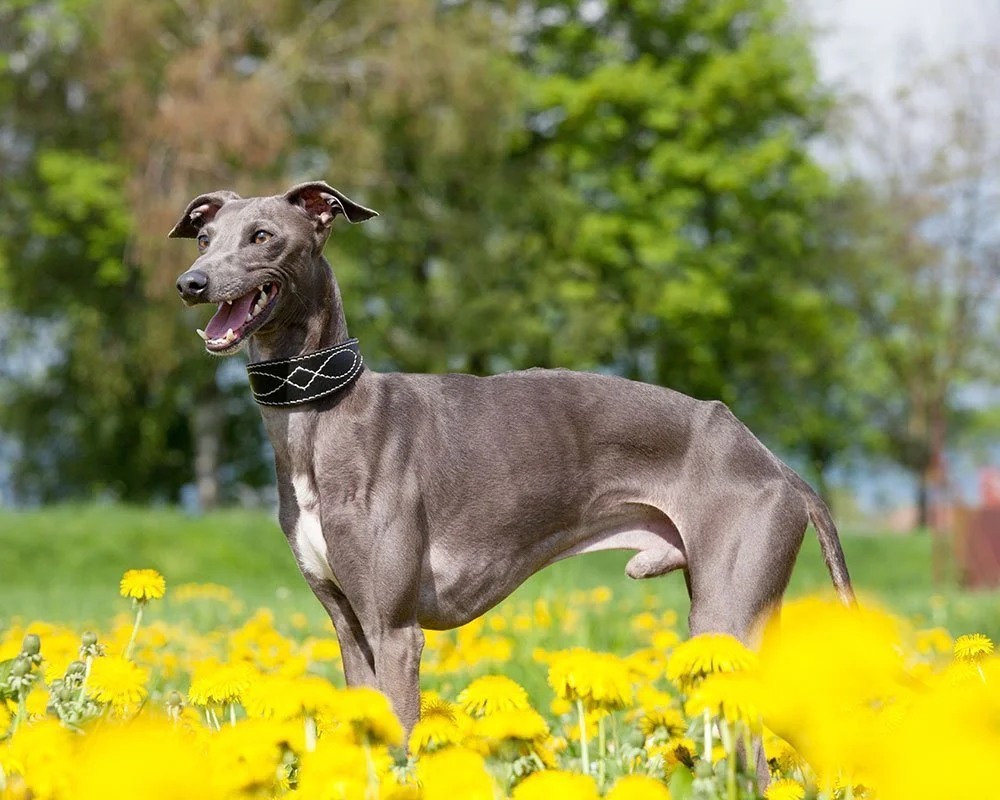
{"type": "Point", "coordinates": [291, 381]}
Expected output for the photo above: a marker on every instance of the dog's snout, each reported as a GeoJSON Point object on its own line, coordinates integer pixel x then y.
{"type": "Point", "coordinates": [192, 284]}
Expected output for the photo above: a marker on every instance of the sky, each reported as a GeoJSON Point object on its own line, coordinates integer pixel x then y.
{"type": "Point", "coordinates": [868, 45]}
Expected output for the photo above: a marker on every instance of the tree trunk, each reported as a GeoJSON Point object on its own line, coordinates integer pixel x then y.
{"type": "Point", "coordinates": [206, 427]}
{"type": "Point", "coordinates": [923, 501]}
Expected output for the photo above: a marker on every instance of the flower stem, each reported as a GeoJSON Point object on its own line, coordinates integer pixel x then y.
{"type": "Point", "coordinates": [310, 724]}
{"type": "Point", "coordinates": [707, 755]}
{"type": "Point", "coordinates": [371, 790]}
{"type": "Point", "coordinates": [135, 630]}
{"type": "Point", "coordinates": [22, 710]}
{"type": "Point", "coordinates": [583, 737]}
{"type": "Point", "coordinates": [729, 742]}
{"type": "Point", "coordinates": [232, 715]}
{"type": "Point", "coordinates": [602, 746]}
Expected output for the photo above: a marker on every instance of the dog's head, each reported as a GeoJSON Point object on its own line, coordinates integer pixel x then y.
{"type": "Point", "coordinates": [255, 253]}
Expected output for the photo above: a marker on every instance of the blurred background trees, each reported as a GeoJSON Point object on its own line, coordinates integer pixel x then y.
{"type": "Point", "coordinates": [628, 186]}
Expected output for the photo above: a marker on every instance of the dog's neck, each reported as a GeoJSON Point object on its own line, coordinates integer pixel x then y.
{"type": "Point", "coordinates": [318, 323]}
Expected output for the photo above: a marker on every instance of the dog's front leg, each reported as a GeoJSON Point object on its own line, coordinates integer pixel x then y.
{"type": "Point", "coordinates": [355, 651]}
{"type": "Point", "coordinates": [397, 670]}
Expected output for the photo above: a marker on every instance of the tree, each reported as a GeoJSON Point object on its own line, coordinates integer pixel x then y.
{"type": "Point", "coordinates": [923, 279]}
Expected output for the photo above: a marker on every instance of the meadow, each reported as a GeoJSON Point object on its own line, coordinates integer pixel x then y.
{"type": "Point", "coordinates": [218, 674]}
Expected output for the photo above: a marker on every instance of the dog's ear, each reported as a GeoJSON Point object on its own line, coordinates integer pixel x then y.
{"type": "Point", "coordinates": [322, 203]}
{"type": "Point", "coordinates": [200, 212]}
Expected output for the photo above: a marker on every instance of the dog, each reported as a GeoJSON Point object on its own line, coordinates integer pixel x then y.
{"type": "Point", "coordinates": [421, 501]}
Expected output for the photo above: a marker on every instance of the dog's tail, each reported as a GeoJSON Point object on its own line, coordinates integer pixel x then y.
{"type": "Point", "coordinates": [829, 539]}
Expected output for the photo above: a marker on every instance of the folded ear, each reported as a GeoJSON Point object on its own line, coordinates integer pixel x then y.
{"type": "Point", "coordinates": [200, 212]}
{"type": "Point", "coordinates": [322, 203]}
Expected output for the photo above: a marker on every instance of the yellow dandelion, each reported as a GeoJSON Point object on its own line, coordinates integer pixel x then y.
{"type": "Point", "coordinates": [601, 595]}
{"type": "Point", "coordinates": [973, 647]}
{"type": "Point", "coordinates": [638, 787]}
{"type": "Point", "coordinates": [333, 771]}
{"type": "Point", "coordinates": [435, 729]}
{"type": "Point", "coordinates": [523, 724]}
{"type": "Point", "coordinates": [490, 694]}
{"type": "Point", "coordinates": [432, 702]}
{"type": "Point", "coordinates": [785, 789]}
{"type": "Point", "coordinates": [369, 712]}
{"type": "Point", "coordinates": [732, 696]}
{"type": "Point", "coordinates": [142, 585]}
{"type": "Point", "coordinates": [706, 654]}
{"type": "Point", "coordinates": [784, 756]}
{"type": "Point", "coordinates": [218, 684]}
{"type": "Point", "coordinates": [665, 639]}
{"type": "Point", "coordinates": [669, 722]}
{"type": "Point", "coordinates": [933, 640]}
{"type": "Point", "coordinates": [681, 750]}
{"type": "Point", "coordinates": [552, 783]}
{"type": "Point", "coordinates": [599, 680]}
{"type": "Point", "coordinates": [454, 772]}
{"type": "Point", "coordinates": [117, 682]}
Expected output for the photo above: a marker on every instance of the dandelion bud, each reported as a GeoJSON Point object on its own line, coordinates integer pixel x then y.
{"type": "Point", "coordinates": [76, 668]}
{"type": "Point", "coordinates": [89, 639]}
{"type": "Point", "coordinates": [65, 694]}
{"type": "Point", "coordinates": [21, 667]}
{"type": "Point", "coordinates": [31, 645]}
{"type": "Point", "coordinates": [175, 699]}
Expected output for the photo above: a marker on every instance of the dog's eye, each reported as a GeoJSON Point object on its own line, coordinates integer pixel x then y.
{"type": "Point", "coordinates": [260, 237]}
{"type": "Point", "coordinates": [203, 242]}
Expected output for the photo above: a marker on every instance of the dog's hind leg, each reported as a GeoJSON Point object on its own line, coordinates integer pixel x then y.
{"type": "Point", "coordinates": [737, 585]}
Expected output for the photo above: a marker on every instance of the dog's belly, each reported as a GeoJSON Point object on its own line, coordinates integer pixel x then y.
{"type": "Point", "coordinates": [453, 593]}
{"type": "Point", "coordinates": [658, 545]}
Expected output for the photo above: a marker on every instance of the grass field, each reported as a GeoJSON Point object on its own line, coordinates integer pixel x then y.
{"type": "Point", "coordinates": [63, 564]}
{"type": "Point", "coordinates": [266, 664]}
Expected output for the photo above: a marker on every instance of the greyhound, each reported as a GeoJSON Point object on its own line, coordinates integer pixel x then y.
{"type": "Point", "coordinates": [421, 501]}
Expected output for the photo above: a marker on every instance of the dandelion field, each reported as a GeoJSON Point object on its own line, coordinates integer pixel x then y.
{"type": "Point", "coordinates": [580, 686]}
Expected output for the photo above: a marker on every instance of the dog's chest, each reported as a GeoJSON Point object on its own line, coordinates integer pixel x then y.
{"type": "Point", "coordinates": [310, 546]}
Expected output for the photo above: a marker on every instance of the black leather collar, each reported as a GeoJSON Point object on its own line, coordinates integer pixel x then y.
{"type": "Point", "coordinates": [291, 381]}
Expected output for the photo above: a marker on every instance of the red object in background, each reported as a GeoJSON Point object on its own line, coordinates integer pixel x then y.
{"type": "Point", "coordinates": [989, 487]}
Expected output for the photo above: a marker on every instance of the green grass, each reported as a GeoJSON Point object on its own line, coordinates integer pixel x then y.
{"type": "Point", "coordinates": [63, 564]}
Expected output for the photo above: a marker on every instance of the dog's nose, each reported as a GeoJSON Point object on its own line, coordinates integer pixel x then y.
{"type": "Point", "coordinates": [192, 284]}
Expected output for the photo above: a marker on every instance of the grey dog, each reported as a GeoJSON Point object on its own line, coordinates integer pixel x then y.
{"type": "Point", "coordinates": [421, 501]}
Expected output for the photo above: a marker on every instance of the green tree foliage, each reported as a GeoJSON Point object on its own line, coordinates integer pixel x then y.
{"type": "Point", "coordinates": [623, 186]}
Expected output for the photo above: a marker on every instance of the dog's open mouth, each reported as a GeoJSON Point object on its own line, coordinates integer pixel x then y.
{"type": "Point", "coordinates": [237, 319]}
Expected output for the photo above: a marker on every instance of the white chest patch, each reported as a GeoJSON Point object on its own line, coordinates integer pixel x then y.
{"type": "Point", "coordinates": [309, 542]}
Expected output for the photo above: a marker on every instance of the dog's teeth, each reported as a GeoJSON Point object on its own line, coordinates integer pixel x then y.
{"type": "Point", "coordinates": [201, 333]}
{"type": "Point", "coordinates": [229, 302]}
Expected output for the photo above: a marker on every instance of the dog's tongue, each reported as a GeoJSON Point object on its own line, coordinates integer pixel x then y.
{"type": "Point", "coordinates": [230, 316]}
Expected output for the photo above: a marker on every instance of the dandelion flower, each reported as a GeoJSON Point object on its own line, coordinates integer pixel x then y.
{"type": "Point", "coordinates": [524, 724]}
{"type": "Point", "coordinates": [973, 647]}
{"type": "Point", "coordinates": [555, 783]}
{"type": "Point", "coordinates": [454, 772]}
{"type": "Point", "coordinates": [668, 720]}
{"type": "Point", "coordinates": [681, 750]}
{"type": "Point", "coordinates": [707, 654]}
{"type": "Point", "coordinates": [933, 640]}
{"type": "Point", "coordinates": [219, 684]}
{"type": "Point", "coordinates": [368, 711]}
{"type": "Point", "coordinates": [492, 693]}
{"type": "Point", "coordinates": [117, 682]}
{"type": "Point", "coordinates": [638, 787]}
{"type": "Point", "coordinates": [600, 680]}
{"type": "Point", "coordinates": [435, 729]}
{"type": "Point", "coordinates": [731, 696]}
{"type": "Point", "coordinates": [785, 789]}
{"type": "Point", "coordinates": [142, 585]}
